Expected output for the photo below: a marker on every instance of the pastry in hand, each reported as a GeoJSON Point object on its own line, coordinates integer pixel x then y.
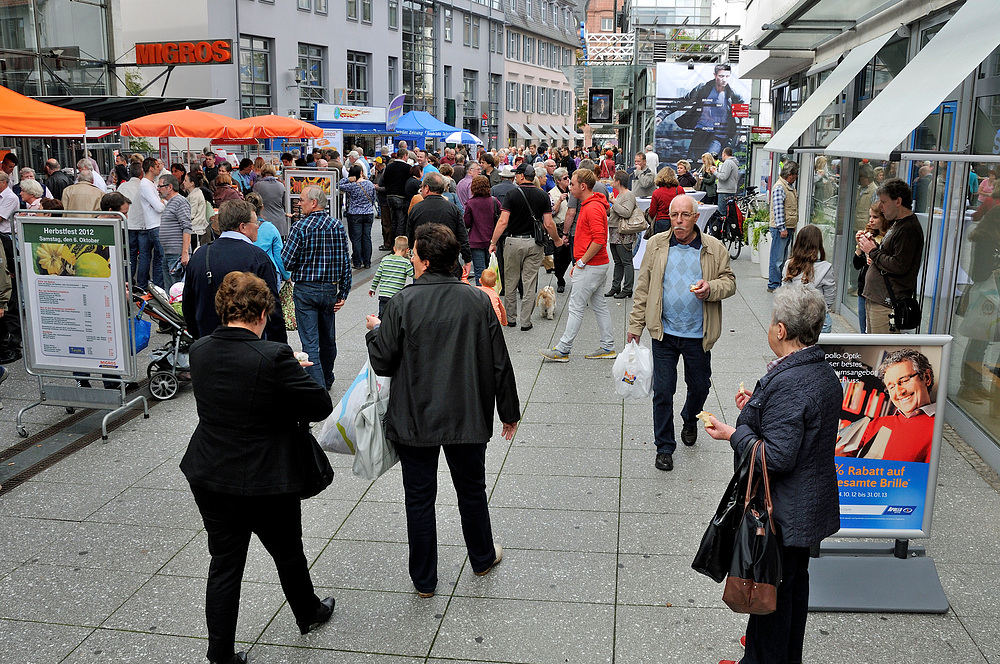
{"type": "Point", "coordinates": [705, 417]}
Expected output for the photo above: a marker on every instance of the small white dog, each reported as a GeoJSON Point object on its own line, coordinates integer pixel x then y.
{"type": "Point", "coordinates": [547, 302]}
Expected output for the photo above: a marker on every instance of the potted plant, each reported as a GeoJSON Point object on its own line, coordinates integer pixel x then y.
{"type": "Point", "coordinates": [757, 226]}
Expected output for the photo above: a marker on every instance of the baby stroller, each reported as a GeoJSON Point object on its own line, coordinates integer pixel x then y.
{"type": "Point", "coordinates": [169, 365]}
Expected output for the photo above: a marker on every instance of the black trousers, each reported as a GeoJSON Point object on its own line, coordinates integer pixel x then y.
{"type": "Point", "coordinates": [468, 473]}
{"type": "Point", "coordinates": [562, 259]}
{"type": "Point", "coordinates": [10, 324]}
{"type": "Point", "coordinates": [777, 637]}
{"type": "Point", "coordinates": [230, 520]}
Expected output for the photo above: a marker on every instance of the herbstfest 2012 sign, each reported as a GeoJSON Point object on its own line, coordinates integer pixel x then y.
{"type": "Point", "coordinates": [890, 434]}
{"type": "Point", "coordinates": [72, 279]}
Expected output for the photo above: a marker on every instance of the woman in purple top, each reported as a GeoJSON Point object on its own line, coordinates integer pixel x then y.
{"type": "Point", "coordinates": [481, 214]}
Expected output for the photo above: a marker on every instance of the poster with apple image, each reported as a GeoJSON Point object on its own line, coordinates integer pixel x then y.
{"type": "Point", "coordinates": [890, 433]}
{"type": "Point", "coordinates": [73, 282]}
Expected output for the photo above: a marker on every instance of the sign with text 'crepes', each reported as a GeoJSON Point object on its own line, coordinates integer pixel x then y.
{"type": "Point", "coordinates": [202, 52]}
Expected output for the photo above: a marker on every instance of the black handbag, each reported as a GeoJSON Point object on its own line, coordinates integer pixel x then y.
{"type": "Point", "coordinates": [317, 473]}
{"type": "Point", "coordinates": [755, 571]}
{"type": "Point", "coordinates": [905, 314]}
{"type": "Point", "coordinates": [716, 551]}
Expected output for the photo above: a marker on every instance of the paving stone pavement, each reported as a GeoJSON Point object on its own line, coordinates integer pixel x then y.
{"type": "Point", "coordinates": [103, 557]}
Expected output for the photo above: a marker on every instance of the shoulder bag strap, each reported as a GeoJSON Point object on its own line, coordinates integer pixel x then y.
{"type": "Point", "coordinates": [767, 487]}
{"type": "Point", "coordinates": [530, 210]}
{"type": "Point", "coordinates": [208, 266]}
{"type": "Point", "coordinates": [888, 287]}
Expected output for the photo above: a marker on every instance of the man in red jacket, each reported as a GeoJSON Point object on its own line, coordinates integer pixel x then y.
{"type": "Point", "coordinates": [589, 272]}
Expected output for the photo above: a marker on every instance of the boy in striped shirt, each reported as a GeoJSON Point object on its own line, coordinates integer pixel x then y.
{"type": "Point", "coordinates": [390, 277]}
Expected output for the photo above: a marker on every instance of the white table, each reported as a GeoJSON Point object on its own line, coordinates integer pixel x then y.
{"type": "Point", "coordinates": [705, 212]}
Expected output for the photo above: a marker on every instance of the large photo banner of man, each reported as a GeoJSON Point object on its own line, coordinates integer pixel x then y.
{"type": "Point", "coordinates": [891, 423]}
{"type": "Point", "coordinates": [694, 110]}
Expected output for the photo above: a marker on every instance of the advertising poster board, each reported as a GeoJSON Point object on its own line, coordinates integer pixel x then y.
{"type": "Point", "coordinates": [599, 105]}
{"type": "Point", "coordinates": [891, 425]}
{"type": "Point", "coordinates": [296, 181]}
{"type": "Point", "coordinates": [694, 111]}
{"type": "Point", "coordinates": [75, 290]}
{"type": "Point", "coordinates": [333, 139]}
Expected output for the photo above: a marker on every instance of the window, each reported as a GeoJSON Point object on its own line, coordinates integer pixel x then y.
{"type": "Point", "coordinates": [542, 52]}
{"type": "Point", "coordinates": [513, 45]}
{"type": "Point", "coordinates": [352, 10]}
{"type": "Point", "coordinates": [607, 25]}
{"type": "Point", "coordinates": [449, 24]}
{"type": "Point", "coordinates": [513, 6]}
{"type": "Point", "coordinates": [528, 98]}
{"type": "Point", "coordinates": [393, 88]}
{"type": "Point", "coordinates": [393, 14]}
{"type": "Point", "coordinates": [366, 11]}
{"type": "Point", "coordinates": [447, 82]}
{"type": "Point", "coordinates": [566, 57]}
{"type": "Point", "coordinates": [255, 76]}
{"type": "Point", "coordinates": [467, 30]}
{"type": "Point", "coordinates": [420, 51]}
{"type": "Point", "coordinates": [475, 31]}
{"type": "Point", "coordinates": [545, 11]}
{"type": "Point", "coordinates": [322, 6]}
{"type": "Point", "coordinates": [357, 78]}
{"type": "Point", "coordinates": [512, 96]}
{"type": "Point", "coordinates": [312, 89]}
{"type": "Point", "coordinates": [528, 7]}
{"type": "Point", "coordinates": [566, 105]}
{"type": "Point", "coordinates": [470, 85]}
{"type": "Point", "coordinates": [499, 49]}
{"type": "Point", "coordinates": [305, 5]}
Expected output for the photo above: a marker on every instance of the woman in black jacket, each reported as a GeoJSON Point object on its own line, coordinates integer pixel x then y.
{"type": "Point", "coordinates": [795, 410]}
{"type": "Point", "coordinates": [245, 458]}
{"type": "Point", "coordinates": [876, 227]}
{"type": "Point", "coordinates": [444, 348]}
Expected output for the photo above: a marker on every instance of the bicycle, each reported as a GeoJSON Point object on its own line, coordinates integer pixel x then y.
{"type": "Point", "coordinates": [747, 202]}
{"type": "Point", "coordinates": [726, 225]}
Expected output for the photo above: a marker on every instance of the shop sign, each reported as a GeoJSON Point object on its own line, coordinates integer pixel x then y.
{"type": "Point", "coordinates": [158, 54]}
{"type": "Point", "coordinates": [350, 114]}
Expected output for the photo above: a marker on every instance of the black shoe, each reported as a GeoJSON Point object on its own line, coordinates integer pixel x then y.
{"type": "Point", "coordinates": [689, 433]}
{"type": "Point", "coordinates": [367, 266]}
{"type": "Point", "coordinates": [611, 293]}
{"type": "Point", "coordinates": [11, 355]}
{"type": "Point", "coordinates": [561, 288]}
{"type": "Point", "coordinates": [238, 658]}
{"type": "Point", "coordinates": [385, 247]}
{"type": "Point", "coordinates": [624, 294]}
{"type": "Point", "coordinates": [323, 614]}
{"type": "Point", "coordinates": [527, 327]}
{"type": "Point", "coordinates": [664, 461]}
{"type": "Point", "coordinates": [512, 323]}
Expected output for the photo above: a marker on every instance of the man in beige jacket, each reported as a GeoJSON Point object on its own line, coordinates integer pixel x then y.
{"type": "Point", "coordinates": [682, 281]}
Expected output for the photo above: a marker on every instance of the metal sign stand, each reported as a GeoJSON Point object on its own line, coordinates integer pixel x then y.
{"type": "Point", "coordinates": [70, 324]}
{"type": "Point", "coordinates": [888, 576]}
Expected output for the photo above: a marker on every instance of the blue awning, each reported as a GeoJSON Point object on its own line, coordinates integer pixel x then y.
{"type": "Point", "coordinates": [355, 127]}
{"type": "Point", "coordinates": [421, 123]}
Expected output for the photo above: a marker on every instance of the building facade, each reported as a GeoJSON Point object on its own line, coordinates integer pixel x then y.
{"type": "Point", "coordinates": [940, 155]}
{"type": "Point", "coordinates": [539, 102]}
{"type": "Point", "coordinates": [292, 54]}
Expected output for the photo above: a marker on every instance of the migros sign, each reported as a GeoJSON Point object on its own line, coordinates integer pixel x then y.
{"type": "Point", "coordinates": [215, 52]}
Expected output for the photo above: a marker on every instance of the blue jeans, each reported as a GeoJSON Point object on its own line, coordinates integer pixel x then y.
{"type": "Point", "coordinates": [861, 314]}
{"type": "Point", "coordinates": [480, 259]}
{"type": "Point", "coordinates": [359, 227]}
{"type": "Point", "coordinates": [779, 253]}
{"type": "Point", "coordinates": [315, 318]}
{"type": "Point", "coordinates": [145, 252]}
{"type": "Point", "coordinates": [697, 375]}
{"type": "Point", "coordinates": [171, 279]}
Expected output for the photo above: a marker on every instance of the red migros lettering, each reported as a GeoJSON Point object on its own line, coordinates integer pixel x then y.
{"type": "Point", "coordinates": [203, 52]}
{"type": "Point", "coordinates": [222, 51]}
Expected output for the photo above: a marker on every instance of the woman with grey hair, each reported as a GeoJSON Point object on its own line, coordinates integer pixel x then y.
{"type": "Point", "coordinates": [794, 409]}
{"type": "Point", "coordinates": [623, 206]}
{"type": "Point", "coordinates": [31, 194]}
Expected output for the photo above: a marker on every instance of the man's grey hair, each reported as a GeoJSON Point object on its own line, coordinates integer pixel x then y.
{"type": "Point", "coordinates": [434, 182]}
{"type": "Point", "coordinates": [801, 309]}
{"type": "Point", "coordinates": [789, 168]}
{"type": "Point", "coordinates": [550, 162]}
{"type": "Point", "coordinates": [4, 177]}
{"type": "Point", "coordinates": [587, 164]}
{"type": "Point", "coordinates": [316, 194]}
{"type": "Point", "coordinates": [172, 181]}
{"type": "Point", "coordinates": [684, 199]}
{"type": "Point", "coordinates": [27, 172]}
{"type": "Point", "coordinates": [386, 150]}
{"type": "Point", "coordinates": [649, 148]}
{"type": "Point", "coordinates": [85, 162]}
{"type": "Point", "coordinates": [234, 213]}
{"type": "Point", "coordinates": [85, 175]}
{"type": "Point", "coordinates": [560, 173]}
{"type": "Point", "coordinates": [32, 187]}
{"type": "Point", "coordinates": [917, 360]}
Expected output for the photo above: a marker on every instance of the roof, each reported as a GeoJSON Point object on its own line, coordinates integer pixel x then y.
{"type": "Point", "coordinates": [421, 123]}
{"type": "Point", "coordinates": [519, 21]}
{"type": "Point", "coordinates": [116, 110]}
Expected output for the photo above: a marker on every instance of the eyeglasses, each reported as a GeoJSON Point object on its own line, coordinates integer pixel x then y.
{"type": "Point", "coordinates": [162, 186]}
{"type": "Point", "coordinates": [897, 384]}
{"type": "Point", "coordinates": [252, 223]}
{"type": "Point", "coordinates": [685, 215]}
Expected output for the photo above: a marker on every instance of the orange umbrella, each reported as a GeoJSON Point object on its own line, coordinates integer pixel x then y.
{"type": "Point", "coordinates": [24, 116]}
{"type": "Point", "coordinates": [279, 126]}
{"type": "Point", "coordinates": [185, 124]}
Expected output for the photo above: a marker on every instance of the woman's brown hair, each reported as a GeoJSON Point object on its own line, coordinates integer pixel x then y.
{"type": "Point", "coordinates": [808, 249]}
{"type": "Point", "coordinates": [480, 186]}
{"type": "Point", "coordinates": [242, 298]}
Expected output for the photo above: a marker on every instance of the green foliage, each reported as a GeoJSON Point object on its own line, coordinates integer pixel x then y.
{"type": "Point", "coordinates": [134, 83]}
{"type": "Point", "coordinates": [757, 226]}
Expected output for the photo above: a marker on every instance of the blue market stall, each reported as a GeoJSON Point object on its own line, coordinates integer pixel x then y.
{"type": "Point", "coordinates": [416, 127]}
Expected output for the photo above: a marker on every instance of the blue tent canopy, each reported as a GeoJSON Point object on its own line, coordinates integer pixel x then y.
{"type": "Point", "coordinates": [421, 123]}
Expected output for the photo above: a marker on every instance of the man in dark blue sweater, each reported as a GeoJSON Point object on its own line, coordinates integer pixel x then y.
{"type": "Point", "coordinates": [234, 251]}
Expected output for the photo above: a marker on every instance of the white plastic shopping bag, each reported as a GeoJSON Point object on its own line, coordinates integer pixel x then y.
{"type": "Point", "coordinates": [375, 454]}
{"type": "Point", "coordinates": [495, 266]}
{"type": "Point", "coordinates": [339, 433]}
{"type": "Point", "coordinates": [633, 371]}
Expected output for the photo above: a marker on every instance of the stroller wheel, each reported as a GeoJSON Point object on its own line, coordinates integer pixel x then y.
{"type": "Point", "coordinates": [163, 385]}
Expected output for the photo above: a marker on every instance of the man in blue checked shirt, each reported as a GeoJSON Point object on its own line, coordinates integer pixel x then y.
{"type": "Point", "coordinates": [317, 256]}
{"type": "Point", "coordinates": [784, 218]}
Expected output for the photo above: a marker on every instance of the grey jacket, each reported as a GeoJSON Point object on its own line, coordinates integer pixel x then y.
{"type": "Point", "coordinates": [643, 183]}
{"type": "Point", "coordinates": [728, 176]}
{"type": "Point", "coordinates": [795, 409]}
{"type": "Point", "coordinates": [273, 193]}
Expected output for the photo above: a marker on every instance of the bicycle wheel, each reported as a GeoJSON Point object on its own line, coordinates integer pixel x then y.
{"type": "Point", "coordinates": [735, 246]}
